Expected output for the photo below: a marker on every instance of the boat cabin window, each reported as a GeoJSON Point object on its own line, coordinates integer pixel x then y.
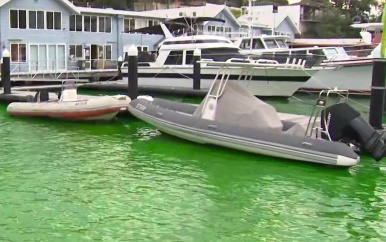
{"type": "Point", "coordinates": [257, 44]}
{"type": "Point", "coordinates": [221, 54]}
{"type": "Point", "coordinates": [281, 43]}
{"type": "Point", "coordinates": [245, 44]}
{"type": "Point", "coordinates": [174, 58]}
{"type": "Point", "coordinates": [189, 57]}
{"type": "Point", "coordinates": [270, 43]}
{"type": "Point", "coordinates": [330, 51]}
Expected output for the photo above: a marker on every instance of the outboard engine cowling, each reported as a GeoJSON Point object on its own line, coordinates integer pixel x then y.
{"type": "Point", "coordinates": [344, 123]}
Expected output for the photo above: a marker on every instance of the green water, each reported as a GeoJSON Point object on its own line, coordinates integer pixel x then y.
{"type": "Point", "coordinates": [123, 181]}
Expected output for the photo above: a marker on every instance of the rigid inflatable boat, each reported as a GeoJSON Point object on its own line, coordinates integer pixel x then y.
{"type": "Point", "coordinates": [71, 107]}
{"type": "Point", "coordinates": [229, 116]}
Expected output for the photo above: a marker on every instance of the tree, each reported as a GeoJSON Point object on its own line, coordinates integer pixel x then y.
{"type": "Point", "coordinates": [279, 2]}
{"type": "Point", "coordinates": [354, 7]}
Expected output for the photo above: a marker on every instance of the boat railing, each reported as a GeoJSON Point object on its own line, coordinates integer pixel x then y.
{"type": "Point", "coordinates": [324, 100]}
{"type": "Point", "coordinates": [259, 63]}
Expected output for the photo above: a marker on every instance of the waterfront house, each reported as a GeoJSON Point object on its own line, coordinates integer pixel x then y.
{"type": "Point", "coordinates": [230, 28]}
{"type": "Point", "coordinates": [57, 35]}
{"type": "Point", "coordinates": [269, 23]}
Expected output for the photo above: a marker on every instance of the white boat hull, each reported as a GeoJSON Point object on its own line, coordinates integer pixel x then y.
{"type": "Point", "coordinates": [354, 78]}
{"type": "Point", "coordinates": [95, 108]}
{"type": "Point", "coordinates": [266, 82]}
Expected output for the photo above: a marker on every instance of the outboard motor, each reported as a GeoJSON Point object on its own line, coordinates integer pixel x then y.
{"type": "Point", "coordinates": [343, 123]}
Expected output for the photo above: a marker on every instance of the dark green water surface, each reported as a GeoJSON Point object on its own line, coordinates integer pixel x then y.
{"type": "Point", "coordinates": [123, 181]}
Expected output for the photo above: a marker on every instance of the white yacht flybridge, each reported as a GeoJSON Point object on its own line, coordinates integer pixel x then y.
{"type": "Point", "coordinates": [173, 65]}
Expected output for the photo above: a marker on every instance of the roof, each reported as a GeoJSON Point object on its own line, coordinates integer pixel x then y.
{"type": "Point", "coordinates": [67, 3]}
{"type": "Point", "coordinates": [267, 19]}
{"type": "Point", "coordinates": [208, 10]}
{"type": "Point", "coordinates": [111, 11]}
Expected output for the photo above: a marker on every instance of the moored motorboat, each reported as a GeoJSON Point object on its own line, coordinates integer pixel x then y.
{"type": "Point", "coordinates": [71, 107]}
{"type": "Point", "coordinates": [231, 117]}
{"type": "Point", "coordinates": [172, 64]}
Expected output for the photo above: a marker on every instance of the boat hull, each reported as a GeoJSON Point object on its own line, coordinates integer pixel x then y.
{"type": "Point", "coordinates": [263, 142]}
{"type": "Point", "coordinates": [96, 108]}
{"type": "Point", "coordinates": [352, 76]}
{"type": "Point", "coordinates": [265, 82]}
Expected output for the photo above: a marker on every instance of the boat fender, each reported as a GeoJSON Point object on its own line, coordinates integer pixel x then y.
{"type": "Point", "coordinates": [342, 122]}
{"type": "Point", "coordinates": [146, 97]}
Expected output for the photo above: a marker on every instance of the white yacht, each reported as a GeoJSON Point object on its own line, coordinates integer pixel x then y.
{"type": "Point", "coordinates": [173, 63]}
{"type": "Point", "coordinates": [350, 73]}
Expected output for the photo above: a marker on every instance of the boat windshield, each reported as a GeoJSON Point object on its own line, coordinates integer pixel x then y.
{"type": "Point", "coordinates": [221, 54]}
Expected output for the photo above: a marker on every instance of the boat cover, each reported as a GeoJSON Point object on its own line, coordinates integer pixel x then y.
{"type": "Point", "coordinates": [238, 106]}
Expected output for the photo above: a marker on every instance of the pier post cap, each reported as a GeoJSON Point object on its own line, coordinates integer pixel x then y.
{"type": "Point", "coordinates": [120, 58]}
{"type": "Point", "coordinates": [6, 53]}
{"type": "Point", "coordinates": [133, 51]}
{"type": "Point", "coordinates": [197, 52]}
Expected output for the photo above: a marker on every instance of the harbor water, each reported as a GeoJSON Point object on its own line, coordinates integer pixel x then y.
{"type": "Point", "coordinates": [124, 181]}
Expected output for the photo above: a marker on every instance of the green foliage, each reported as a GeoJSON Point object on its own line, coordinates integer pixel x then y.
{"type": "Point", "coordinates": [236, 12]}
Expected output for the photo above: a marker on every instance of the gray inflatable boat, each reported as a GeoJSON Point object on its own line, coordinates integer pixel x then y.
{"type": "Point", "coordinates": [231, 117]}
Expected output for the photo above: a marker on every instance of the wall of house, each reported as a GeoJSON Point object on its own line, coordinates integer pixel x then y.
{"type": "Point", "coordinates": [293, 11]}
{"type": "Point", "coordinates": [229, 27]}
{"type": "Point", "coordinates": [285, 27]}
{"type": "Point", "coordinates": [32, 36]}
{"type": "Point", "coordinates": [63, 37]}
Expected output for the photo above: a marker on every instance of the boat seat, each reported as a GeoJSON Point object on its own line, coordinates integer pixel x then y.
{"type": "Point", "coordinates": [69, 95]}
{"type": "Point", "coordinates": [42, 96]}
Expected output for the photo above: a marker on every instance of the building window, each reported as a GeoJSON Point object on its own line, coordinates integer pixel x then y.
{"type": "Point", "coordinates": [105, 52]}
{"type": "Point", "coordinates": [50, 20]}
{"type": "Point", "coordinates": [40, 19]}
{"type": "Point", "coordinates": [90, 23]}
{"type": "Point", "coordinates": [22, 19]}
{"type": "Point", "coordinates": [57, 20]}
{"type": "Point", "coordinates": [105, 24]}
{"type": "Point", "coordinates": [18, 19]}
{"type": "Point", "coordinates": [18, 53]}
{"type": "Point", "coordinates": [87, 23]}
{"type": "Point", "coordinates": [94, 24]}
{"type": "Point", "coordinates": [108, 52]}
{"type": "Point", "coordinates": [152, 23]}
{"type": "Point", "coordinates": [194, 14]}
{"type": "Point", "coordinates": [101, 26]}
{"type": "Point", "coordinates": [76, 51]}
{"type": "Point", "coordinates": [142, 48]}
{"type": "Point", "coordinates": [76, 23]}
{"type": "Point", "coordinates": [32, 20]}
{"type": "Point", "coordinates": [128, 25]}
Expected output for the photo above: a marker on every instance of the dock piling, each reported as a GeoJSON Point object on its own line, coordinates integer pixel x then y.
{"type": "Point", "coordinates": [377, 97]}
{"type": "Point", "coordinates": [6, 72]}
{"type": "Point", "coordinates": [133, 72]}
{"type": "Point", "coordinates": [120, 62]}
{"type": "Point", "coordinates": [196, 69]}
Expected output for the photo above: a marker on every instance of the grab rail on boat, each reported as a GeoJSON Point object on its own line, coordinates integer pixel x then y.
{"type": "Point", "coordinates": [323, 101]}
